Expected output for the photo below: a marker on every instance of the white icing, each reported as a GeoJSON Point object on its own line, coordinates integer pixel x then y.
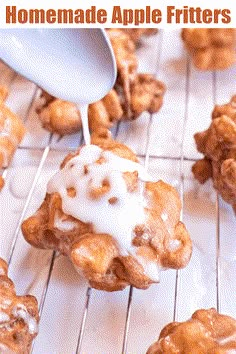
{"type": "Point", "coordinates": [151, 268]}
{"type": "Point", "coordinates": [5, 349]}
{"type": "Point", "coordinates": [118, 219]}
{"type": "Point", "coordinates": [2, 271]}
{"type": "Point", "coordinates": [64, 225]}
{"type": "Point", "coordinates": [227, 340]}
{"type": "Point", "coordinates": [84, 119]}
{"type": "Point", "coordinates": [7, 131]}
{"type": "Point", "coordinates": [174, 245]}
{"type": "Point", "coordinates": [20, 311]}
{"type": "Point", "coordinates": [145, 236]}
{"type": "Point", "coordinates": [5, 304]}
{"type": "Point", "coordinates": [4, 317]}
{"type": "Point", "coordinates": [164, 217]}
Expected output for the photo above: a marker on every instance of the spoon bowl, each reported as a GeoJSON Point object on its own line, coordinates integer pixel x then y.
{"type": "Point", "coordinates": [76, 65]}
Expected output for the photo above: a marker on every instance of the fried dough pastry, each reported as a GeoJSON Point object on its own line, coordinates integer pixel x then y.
{"type": "Point", "coordinates": [2, 182]}
{"type": "Point", "coordinates": [63, 117]}
{"type": "Point", "coordinates": [218, 144]}
{"type": "Point", "coordinates": [103, 211]}
{"type": "Point", "coordinates": [146, 95]}
{"type": "Point", "coordinates": [137, 33]}
{"type": "Point", "coordinates": [124, 50]}
{"type": "Point", "coordinates": [133, 93]}
{"type": "Point", "coordinates": [128, 79]}
{"type": "Point", "coordinates": [18, 317]}
{"type": "Point", "coordinates": [210, 48]}
{"type": "Point", "coordinates": [11, 132]}
{"type": "Point", "coordinates": [59, 116]}
{"type": "Point", "coordinates": [206, 332]}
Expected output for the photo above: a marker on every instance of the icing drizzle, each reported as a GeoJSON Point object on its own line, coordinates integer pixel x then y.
{"type": "Point", "coordinates": [115, 212]}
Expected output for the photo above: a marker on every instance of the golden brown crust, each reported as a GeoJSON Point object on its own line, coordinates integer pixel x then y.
{"type": "Point", "coordinates": [3, 93]}
{"type": "Point", "coordinates": [59, 116]}
{"type": "Point", "coordinates": [163, 239]}
{"type": "Point", "coordinates": [136, 34]}
{"type": "Point", "coordinates": [124, 50]}
{"type": "Point", "coordinates": [146, 95]}
{"type": "Point", "coordinates": [202, 170]}
{"type": "Point", "coordinates": [2, 182]}
{"type": "Point", "coordinates": [228, 109]}
{"type": "Point", "coordinates": [207, 332]}
{"type": "Point", "coordinates": [133, 93]}
{"type": "Point", "coordinates": [104, 113]}
{"type": "Point", "coordinates": [218, 144]}
{"type": "Point", "coordinates": [19, 316]}
{"type": "Point", "coordinates": [104, 140]}
{"type": "Point", "coordinates": [136, 92]}
{"type": "Point", "coordinates": [12, 131]}
{"type": "Point", "coordinates": [210, 49]}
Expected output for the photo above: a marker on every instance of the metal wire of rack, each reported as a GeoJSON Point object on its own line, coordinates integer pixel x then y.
{"type": "Point", "coordinates": [180, 287]}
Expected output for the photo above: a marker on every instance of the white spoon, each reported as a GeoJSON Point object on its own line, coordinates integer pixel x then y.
{"type": "Point", "coordinates": [76, 65]}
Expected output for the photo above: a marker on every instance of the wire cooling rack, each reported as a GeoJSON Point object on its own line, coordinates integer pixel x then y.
{"type": "Point", "coordinates": [75, 318]}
